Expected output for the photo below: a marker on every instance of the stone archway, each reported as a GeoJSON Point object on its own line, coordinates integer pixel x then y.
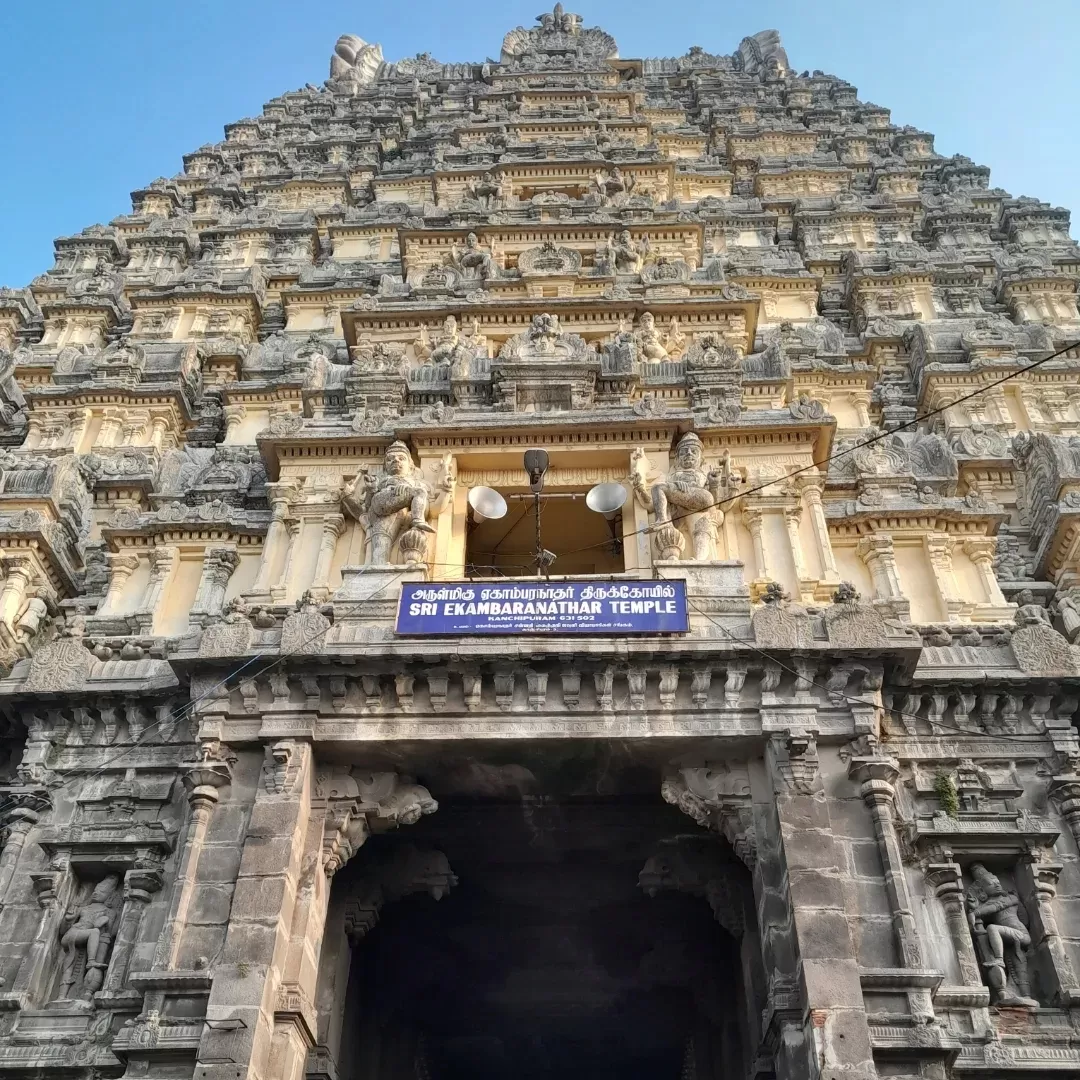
{"type": "Point", "coordinates": [541, 936]}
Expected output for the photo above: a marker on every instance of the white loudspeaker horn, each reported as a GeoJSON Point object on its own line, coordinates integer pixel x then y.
{"type": "Point", "coordinates": [487, 504]}
{"type": "Point", "coordinates": [606, 499]}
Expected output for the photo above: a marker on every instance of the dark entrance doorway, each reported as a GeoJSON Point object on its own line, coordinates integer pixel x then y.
{"type": "Point", "coordinates": [549, 960]}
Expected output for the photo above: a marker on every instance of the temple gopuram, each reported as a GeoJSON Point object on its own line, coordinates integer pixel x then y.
{"type": "Point", "coordinates": [560, 567]}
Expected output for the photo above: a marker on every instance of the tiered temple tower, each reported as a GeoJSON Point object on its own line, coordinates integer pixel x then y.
{"type": "Point", "coordinates": [734, 733]}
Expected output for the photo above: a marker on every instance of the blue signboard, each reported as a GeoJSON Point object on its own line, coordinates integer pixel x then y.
{"type": "Point", "coordinates": [543, 607]}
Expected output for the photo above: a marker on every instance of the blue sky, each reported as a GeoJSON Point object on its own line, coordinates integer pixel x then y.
{"type": "Point", "coordinates": [98, 98]}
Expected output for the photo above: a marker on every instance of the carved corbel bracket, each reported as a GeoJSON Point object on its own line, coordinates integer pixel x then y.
{"type": "Point", "coordinates": [717, 797]}
{"type": "Point", "coordinates": [359, 803]}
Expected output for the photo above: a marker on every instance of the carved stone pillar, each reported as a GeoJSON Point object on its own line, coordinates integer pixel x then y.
{"type": "Point", "coordinates": [234, 417]}
{"type": "Point", "coordinates": [860, 399]}
{"type": "Point", "coordinates": [33, 432]}
{"type": "Point", "coordinates": [203, 781]}
{"type": "Point", "coordinates": [792, 518]}
{"type": "Point", "coordinates": [280, 590]}
{"type": "Point", "coordinates": [162, 561]}
{"type": "Point", "coordinates": [249, 976]}
{"type": "Point", "coordinates": [981, 551]}
{"type": "Point", "coordinates": [18, 571]}
{"type": "Point", "coordinates": [333, 527]}
{"type": "Point", "coordinates": [78, 422]}
{"type": "Point", "coordinates": [878, 777]}
{"type": "Point", "coordinates": [301, 830]}
{"type": "Point", "coordinates": [25, 809]}
{"type": "Point", "coordinates": [947, 882]}
{"type": "Point", "coordinates": [811, 492]}
{"type": "Point", "coordinates": [880, 558]}
{"type": "Point", "coordinates": [1038, 881]}
{"type": "Point", "coordinates": [939, 549]}
{"type": "Point", "coordinates": [218, 566]}
{"type": "Point", "coordinates": [112, 424]}
{"type": "Point", "coordinates": [140, 884]}
{"type": "Point", "coordinates": [52, 889]}
{"type": "Point", "coordinates": [831, 1037]}
{"type": "Point", "coordinates": [280, 496]}
{"type": "Point", "coordinates": [159, 425]}
{"type": "Point", "coordinates": [755, 522]}
{"type": "Point", "coordinates": [122, 565]}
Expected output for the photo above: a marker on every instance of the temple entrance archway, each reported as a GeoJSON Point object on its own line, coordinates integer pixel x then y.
{"type": "Point", "coordinates": [543, 935]}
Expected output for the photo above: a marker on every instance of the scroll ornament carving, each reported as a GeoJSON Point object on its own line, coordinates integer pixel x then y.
{"type": "Point", "coordinates": [230, 633]}
{"type": "Point", "coordinates": [63, 664]}
{"type": "Point", "coordinates": [1001, 937]}
{"type": "Point", "coordinates": [780, 624]}
{"type": "Point", "coordinates": [691, 490]}
{"type": "Point", "coordinates": [1037, 646]}
{"type": "Point", "coordinates": [853, 623]}
{"type": "Point", "coordinates": [304, 629]}
{"type": "Point", "coordinates": [395, 505]}
{"type": "Point", "coordinates": [549, 259]}
{"type": "Point", "coordinates": [87, 939]}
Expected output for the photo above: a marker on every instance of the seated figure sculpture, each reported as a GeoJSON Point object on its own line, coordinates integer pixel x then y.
{"type": "Point", "coordinates": [689, 488]}
{"type": "Point", "coordinates": [397, 504]}
{"type": "Point", "coordinates": [649, 340]}
{"type": "Point", "coordinates": [473, 262]}
{"type": "Point", "coordinates": [89, 933]}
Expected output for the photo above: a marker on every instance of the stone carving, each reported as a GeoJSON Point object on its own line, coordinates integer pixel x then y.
{"type": "Point", "coordinates": [355, 63]}
{"type": "Point", "coordinates": [407, 871]}
{"type": "Point", "coordinates": [304, 629]}
{"type": "Point", "coordinates": [852, 623]}
{"type": "Point", "coordinates": [693, 492]}
{"type": "Point", "coordinates": [654, 346]}
{"type": "Point", "coordinates": [780, 624]}
{"type": "Point", "coordinates": [1001, 937]}
{"type": "Point", "coordinates": [63, 664]}
{"type": "Point", "coordinates": [1037, 646]}
{"type": "Point", "coordinates": [696, 869]}
{"type": "Point", "coordinates": [87, 939]}
{"type": "Point", "coordinates": [230, 633]}
{"type": "Point", "coordinates": [395, 505]}
{"type": "Point", "coordinates": [549, 259]}
{"type": "Point", "coordinates": [472, 262]}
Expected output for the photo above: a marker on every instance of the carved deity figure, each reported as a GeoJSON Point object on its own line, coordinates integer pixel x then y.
{"type": "Point", "coordinates": [449, 343]}
{"type": "Point", "coordinates": [625, 256]}
{"type": "Point", "coordinates": [397, 502]}
{"type": "Point", "coordinates": [1029, 613]}
{"type": "Point", "coordinates": [1001, 937]}
{"type": "Point", "coordinates": [88, 937]}
{"type": "Point", "coordinates": [649, 340]}
{"type": "Point", "coordinates": [485, 191]}
{"type": "Point", "coordinates": [1067, 608]}
{"type": "Point", "coordinates": [688, 488]}
{"type": "Point", "coordinates": [473, 262]}
{"type": "Point", "coordinates": [31, 617]}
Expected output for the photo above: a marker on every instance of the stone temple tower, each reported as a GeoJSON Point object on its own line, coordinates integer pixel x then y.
{"type": "Point", "coordinates": [558, 567]}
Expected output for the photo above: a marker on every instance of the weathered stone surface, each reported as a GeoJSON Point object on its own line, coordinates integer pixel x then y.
{"type": "Point", "coordinates": [248, 830]}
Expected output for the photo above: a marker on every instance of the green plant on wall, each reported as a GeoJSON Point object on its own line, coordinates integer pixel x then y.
{"type": "Point", "coordinates": [948, 796]}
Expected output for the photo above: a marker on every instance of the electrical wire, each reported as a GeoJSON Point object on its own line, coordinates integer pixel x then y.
{"type": "Point", "coordinates": [188, 708]}
{"type": "Point", "coordinates": [816, 466]}
{"type": "Point", "coordinates": [851, 699]}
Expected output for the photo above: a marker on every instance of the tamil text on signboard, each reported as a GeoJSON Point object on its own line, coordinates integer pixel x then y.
{"type": "Point", "coordinates": [544, 607]}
